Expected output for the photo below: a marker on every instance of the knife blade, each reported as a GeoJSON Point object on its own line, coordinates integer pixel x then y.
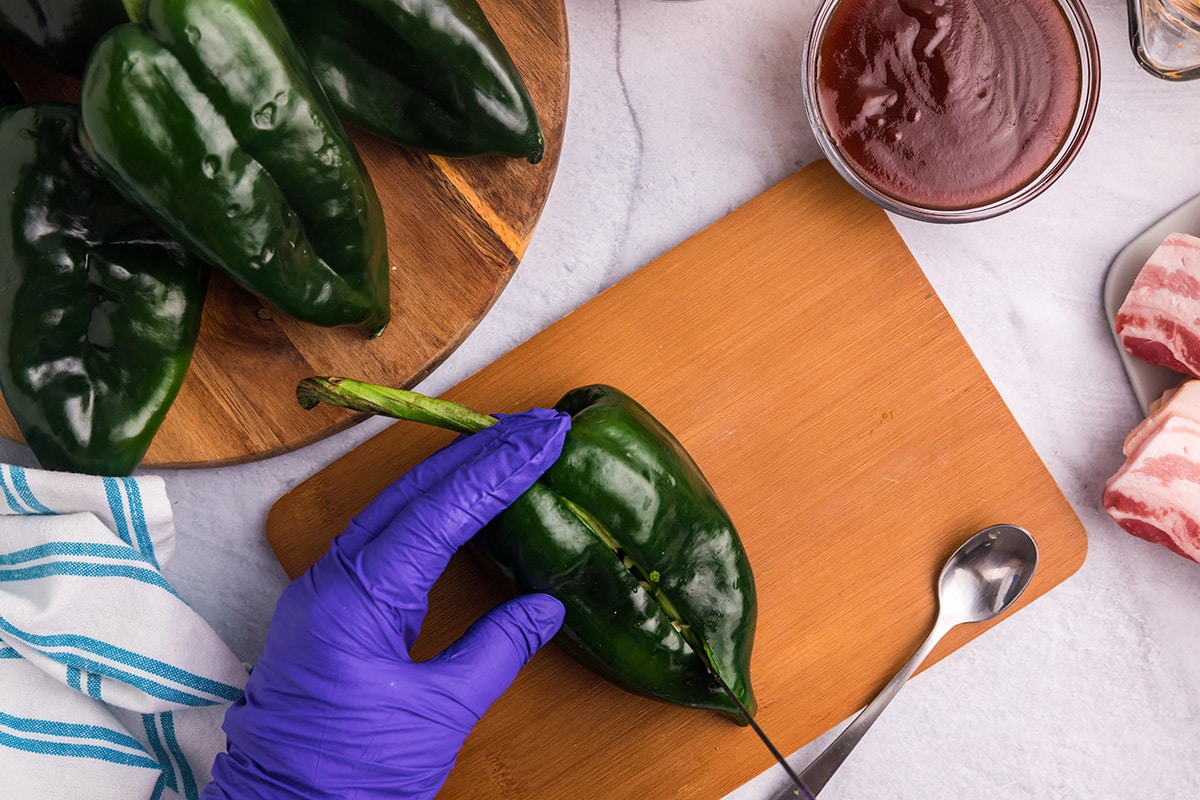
{"type": "Point", "coordinates": [801, 791]}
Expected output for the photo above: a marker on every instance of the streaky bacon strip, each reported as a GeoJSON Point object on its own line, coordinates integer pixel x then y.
{"type": "Point", "coordinates": [1159, 322]}
{"type": "Point", "coordinates": [1155, 495]}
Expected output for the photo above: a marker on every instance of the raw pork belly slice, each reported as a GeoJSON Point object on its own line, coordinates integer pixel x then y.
{"type": "Point", "coordinates": [1156, 493]}
{"type": "Point", "coordinates": [1180, 401]}
{"type": "Point", "coordinates": [1159, 322]}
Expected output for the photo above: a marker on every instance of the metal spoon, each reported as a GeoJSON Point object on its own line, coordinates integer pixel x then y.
{"type": "Point", "coordinates": [979, 582]}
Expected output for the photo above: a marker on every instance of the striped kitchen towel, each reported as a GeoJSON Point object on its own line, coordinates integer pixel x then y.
{"type": "Point", "coordinates": [110, 685]}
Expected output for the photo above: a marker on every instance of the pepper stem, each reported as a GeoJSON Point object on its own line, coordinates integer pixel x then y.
{"type": "Point", "coordinates": [389, 402]}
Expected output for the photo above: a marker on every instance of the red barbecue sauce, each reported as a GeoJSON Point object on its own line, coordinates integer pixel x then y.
{"type": "Point", "coordinates": [948, 103]}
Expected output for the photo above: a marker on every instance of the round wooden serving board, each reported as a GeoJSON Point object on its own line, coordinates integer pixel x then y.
{"type": "Point", "coordinates": [457, 229]}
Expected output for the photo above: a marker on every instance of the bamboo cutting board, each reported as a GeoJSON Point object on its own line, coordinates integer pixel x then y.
{"type": "Point", "coordinates": [457, 228]}
{"type": "Point", "coordinates": [797, 351]}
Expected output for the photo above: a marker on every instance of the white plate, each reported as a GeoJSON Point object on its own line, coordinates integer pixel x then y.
{"type": "Point", "coordinates": [1148, 380]}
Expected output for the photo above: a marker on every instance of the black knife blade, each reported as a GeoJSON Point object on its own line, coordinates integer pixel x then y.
{"type": "Point", "coordinates": [800, 789]}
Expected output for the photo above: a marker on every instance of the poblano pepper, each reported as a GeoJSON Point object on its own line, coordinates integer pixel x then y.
{"type": "Point", "coordinates": [430, 74]}
{"type": "Point", "coordinates": [59, 33]}
{"type": "Point", "coordinates": [208, 118]}
{"type": "Point", "coordinates": [623, 529]}
{"type": "Point", "coordinates": [99, 309]}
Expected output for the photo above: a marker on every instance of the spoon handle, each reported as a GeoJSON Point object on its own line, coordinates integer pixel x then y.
{"type": "Point", "coordinates": [818, 773]}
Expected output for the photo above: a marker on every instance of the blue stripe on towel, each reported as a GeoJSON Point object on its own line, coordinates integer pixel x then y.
{"type": "Point", "coordinates": [73, 677]}
{"type": "Point", "coordinates": [69, 730]}
{"type": "Point", "coordinates": [21, 484]}
{"type": "Point", "coordinates": [93, 685]}
{"type": "Point", "coordinates": [8, 652]}
{"type": "Point", "coordinates": [12, 501]}
{"type": "Point", "coordinates": [121, 656]}
{"type": "Point", "coordinates": [137, 519]}
{"type": "Point", "coordinates": [119, 552]}
{"type": "Point", "coordinates": [88, 569]}
{"type": "Point", "coordinates": [9, 497]}
{"type": "Point", "coordinates": [92, 741]}
{"type": "Point", "coordinates": [115, 505]}
{"type": "Point", "coordinates": [190, 792]}
{"type": "Point", "coordinates": [76, 750]}
{"type": "Point", "coordinates": [160, 752]}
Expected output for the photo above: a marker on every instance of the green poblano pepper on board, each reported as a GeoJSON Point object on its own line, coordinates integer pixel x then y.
{"type": "Point", "coordinates": [59, 33]}
{"type": "Point", "coordinates": [430, 74]}
{"type": "Point", "coordinates": [99, 310]}
{"type": "Point", "coordinates": [626, 531]}
{"type": "Point", "coordinates": [207, 117]}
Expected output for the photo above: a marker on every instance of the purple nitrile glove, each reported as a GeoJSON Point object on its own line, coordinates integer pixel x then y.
{"type": "Point", "coordinates": [335, 706]}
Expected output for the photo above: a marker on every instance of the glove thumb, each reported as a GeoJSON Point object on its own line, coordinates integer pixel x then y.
{"type": "Point", "coordinates": [485, 661]}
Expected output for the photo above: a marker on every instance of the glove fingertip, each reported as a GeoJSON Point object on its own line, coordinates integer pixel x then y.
{"type": "Point", "coordinates": [505, 638]}
{"type": "Point", "coordinates": [520, 627]}
{"type": "Point", "coordinates": [539, 432]}
{"type": "Point", "coordinates": [546, 614]}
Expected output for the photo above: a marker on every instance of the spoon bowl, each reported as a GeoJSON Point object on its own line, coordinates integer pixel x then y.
{"type": "Point", "coordinates": [980, 581]}
{"type": "Point", "coordinates": [987, 574]}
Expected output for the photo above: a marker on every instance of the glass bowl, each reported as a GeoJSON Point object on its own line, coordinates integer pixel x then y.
{"type": "Point", "coordinates": [855, 169]}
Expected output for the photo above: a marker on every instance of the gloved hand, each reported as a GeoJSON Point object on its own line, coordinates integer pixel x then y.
{"type": "Point", "coordinates": [335, 706]}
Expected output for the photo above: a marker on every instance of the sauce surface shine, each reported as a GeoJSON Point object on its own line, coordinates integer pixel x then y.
{"type": "Point", "coordinates": [948, 103]}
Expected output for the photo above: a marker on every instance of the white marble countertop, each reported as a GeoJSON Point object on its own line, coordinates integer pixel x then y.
{"type": "Point", "coordinates": [679, 113]}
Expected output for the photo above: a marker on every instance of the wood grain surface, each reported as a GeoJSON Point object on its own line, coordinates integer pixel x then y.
{"type": "Point", "coordinates": [798, 352]}
{"type": "Point", "coordinates": [457, 229]}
